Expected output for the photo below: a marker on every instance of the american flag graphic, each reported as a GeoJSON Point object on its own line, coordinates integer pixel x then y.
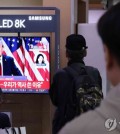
{"type": "Point", "coordinates": [25, 51]}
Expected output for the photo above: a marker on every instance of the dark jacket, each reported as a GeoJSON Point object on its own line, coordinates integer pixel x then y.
{"type": "Point", "coordinates": [4, 121]}
{"type": "Point", "coordinates": [9, 67]}
{"type": "Point", "coordinates": [59, 91]}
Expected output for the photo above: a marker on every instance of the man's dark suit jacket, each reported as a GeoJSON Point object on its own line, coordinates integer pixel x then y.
{"type": "Point", "coordinates": [9, 67]}
{"type": "Point", "coordinates": [4, 121]}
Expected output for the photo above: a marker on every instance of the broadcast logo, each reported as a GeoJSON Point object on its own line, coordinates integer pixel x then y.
{"type": "Point", "coordinates": [111, 124]}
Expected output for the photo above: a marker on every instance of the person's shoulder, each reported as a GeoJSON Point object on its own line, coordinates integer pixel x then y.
{"type": "Point", "coordinates": [91, 68]}
{"type": "Point", "coordinates": [60, 72]}
{"type": "Point", "coordinates": [7, 57]}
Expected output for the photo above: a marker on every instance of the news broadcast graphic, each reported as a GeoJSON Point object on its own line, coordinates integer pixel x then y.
{"type": "Point", "coordinates": [32, 57]}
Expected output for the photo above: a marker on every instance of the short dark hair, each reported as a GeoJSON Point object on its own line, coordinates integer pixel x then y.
{"type": "Point", "coordinates": [109, 30]}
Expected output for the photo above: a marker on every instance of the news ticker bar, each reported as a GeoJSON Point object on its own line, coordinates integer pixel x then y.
{"type": "Point", "coordinates": [24, 84]}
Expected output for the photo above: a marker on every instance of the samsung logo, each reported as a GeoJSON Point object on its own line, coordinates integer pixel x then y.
{"type": "Point", "coordinates": [41, 18]}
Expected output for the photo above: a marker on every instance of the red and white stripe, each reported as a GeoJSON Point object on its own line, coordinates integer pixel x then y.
{"type": "Point", "coordinates": [30, 66]}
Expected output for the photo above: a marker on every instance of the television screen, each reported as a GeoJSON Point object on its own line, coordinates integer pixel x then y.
{"type": "Point", "coordinates": [25, 64]}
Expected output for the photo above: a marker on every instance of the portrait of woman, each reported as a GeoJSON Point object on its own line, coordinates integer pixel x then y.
{"type": "Point", "coordinates": [40, 60]}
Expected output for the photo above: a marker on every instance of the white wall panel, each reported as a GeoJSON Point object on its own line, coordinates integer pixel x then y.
{"type": "Point", "coordinates": [95, 55]}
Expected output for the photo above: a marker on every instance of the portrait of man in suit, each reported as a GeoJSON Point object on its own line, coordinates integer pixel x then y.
{"type": "Point", "coordinates": [7, 64]}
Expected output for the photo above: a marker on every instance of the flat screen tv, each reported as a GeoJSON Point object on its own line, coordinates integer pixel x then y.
{"type": "Point", "coordinates": [25, 64]}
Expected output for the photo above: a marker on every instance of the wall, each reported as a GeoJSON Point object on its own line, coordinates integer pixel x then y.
{"type": "Point", "coordinates": [82, 10]}
{"type": "Point", "coordinates": [94, 15]}
{"type": "Point", "coordinates": [21, 2]}
{"type": "Point", "coordinates": [30, 110]}
{"type": "Point", "coordinates": [95, 55]}
{"type": "Point", "coordinates": [65, 23]}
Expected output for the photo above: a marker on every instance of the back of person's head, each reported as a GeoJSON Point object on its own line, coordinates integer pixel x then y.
{"type": "Point", "coordinates": [76, 46]}
{"type": "Point", "coordinates": [109, 30]}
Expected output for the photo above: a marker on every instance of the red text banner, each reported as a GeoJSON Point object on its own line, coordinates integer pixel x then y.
{"type": "Point", "coordinates": [24, 84]}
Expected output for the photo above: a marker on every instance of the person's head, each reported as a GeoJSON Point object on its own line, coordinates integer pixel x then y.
{"type": "Point", "coordinates": [109, 31]}
{"type": "Point", "coordinates": [1, 48]}
{"type": "Point", "coordinates": [40, 59]}
{"type": "Point", "coordinates": [75, 47]}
